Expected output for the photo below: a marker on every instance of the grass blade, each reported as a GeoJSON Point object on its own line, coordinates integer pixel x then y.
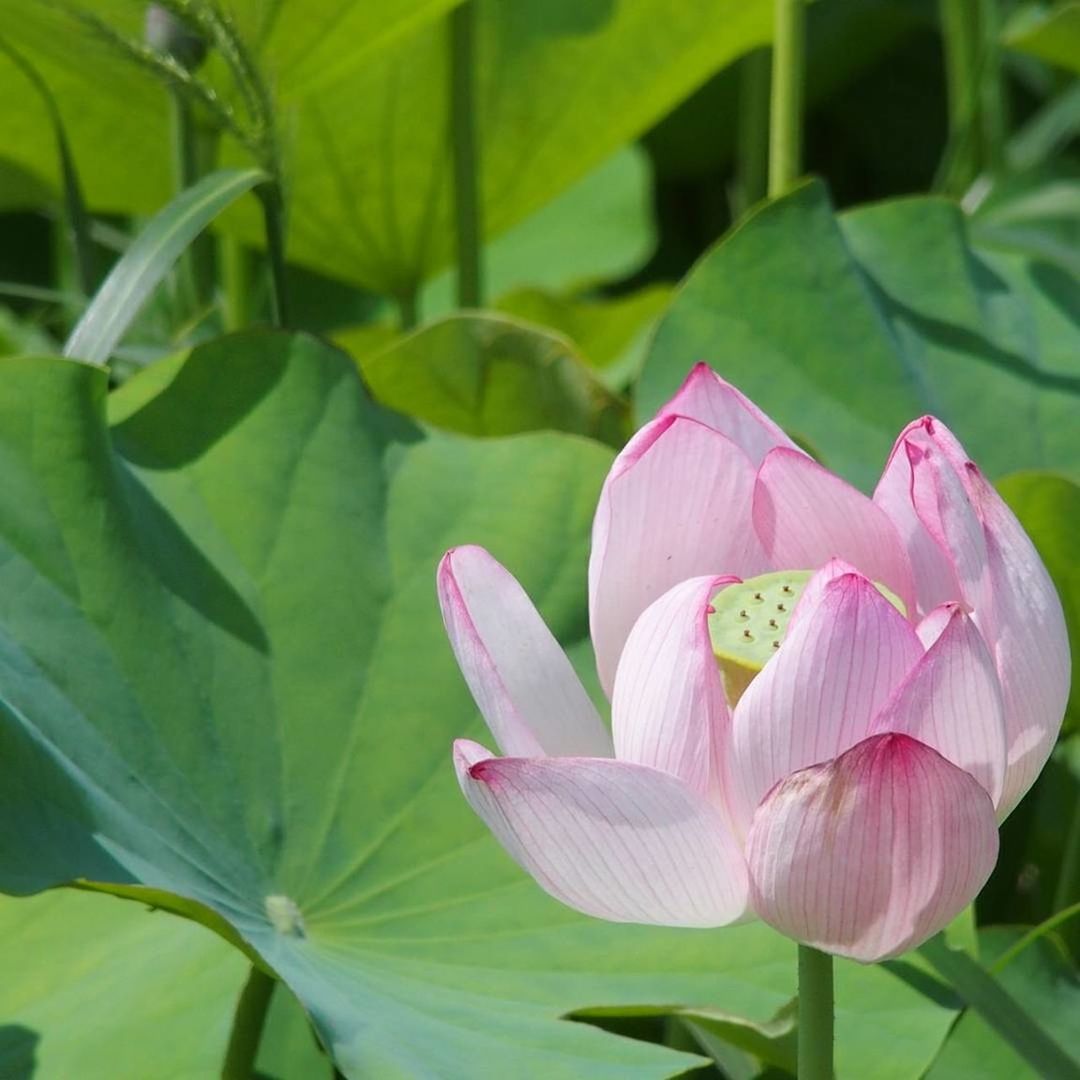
{"type": "Point", "coordinates": [1001, 1011]}
{"type": "Point", "coordinates": [150, 258]}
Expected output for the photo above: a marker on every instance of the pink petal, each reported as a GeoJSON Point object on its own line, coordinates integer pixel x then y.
{"type": "Point", "coordinates": [618, 841]}
{"type": "Point", "coordinates": [869, 855]}
{"type": "Point", "coordinates": [926, 499]}
{"type": "Point", "coordinates": [806, 515]}
{"type": "Point", "coordinates": [966, 544]}
{"type": "Point", "coordinates": [815, 589]}
{"type": "Point", "coordinates": [1025, 629]}
{"type": "Point", "coordinates": [951, 701]}
{"type": "Point", "coordinates": [704, 396]}
{"type": "Point", "coordinates": [669, 709]}
{"type": "Point", "coordinates": [675, 505]}
{"type": "Point", "coordinates": [523, 683]}
{"type": "Point", "coordinates": [819, 694]}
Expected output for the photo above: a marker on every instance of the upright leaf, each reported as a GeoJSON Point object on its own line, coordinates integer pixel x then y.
{"type": "Point", "coordinates": [846, 327]}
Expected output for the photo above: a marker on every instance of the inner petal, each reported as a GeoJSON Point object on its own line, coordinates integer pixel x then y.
{"type": "Point", "coordinates": [748, 621]}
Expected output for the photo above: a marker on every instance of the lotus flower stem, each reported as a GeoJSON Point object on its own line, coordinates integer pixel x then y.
{"type": "Point", "coordinates": [788, 64]}
{"type": "Point", "coordinates": [470, 292]}
{"type": "Point", "coordinates": [815, 1014]}
{"type": "Point", "coordinates": [274, 222]}
{"type": "Point", "coordinates": [248, 1023]}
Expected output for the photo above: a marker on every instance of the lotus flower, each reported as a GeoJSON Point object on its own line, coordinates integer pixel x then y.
{"type": "Point", "coordinates": [822, 704]}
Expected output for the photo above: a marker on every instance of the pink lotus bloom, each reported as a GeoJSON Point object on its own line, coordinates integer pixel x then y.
{"type": "Point", "coordinates": [822, 704]}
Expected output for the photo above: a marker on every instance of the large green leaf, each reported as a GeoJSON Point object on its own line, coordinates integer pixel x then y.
{"type": "Point", "coordinates": [846, 327]}
{"type": "Point", "coordinates": [96, 989]}
{"type": "Point", "coordinates": [1045, 982]}
{"type": "Point", "coordinates": [223, 675]}
{"type": "Point", "coordinates": [492, 375]}
{"type": "Point", "coordinates": [560, 86]}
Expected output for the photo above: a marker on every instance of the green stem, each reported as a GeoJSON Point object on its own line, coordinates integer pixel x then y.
{"type": "Point", "coordinates": [235, 261]}
{"type": "Point", "coordinates": [248, 1023]}
{"type": "Point", "coordinates": [970, 31]}
{"type": "Point", "coordinates": [991, 93]}
{"type": "Point", "coordinates": [1067, 889]}
{"type": "Point", "coordinates": [463, 140]}
{"type": "Point", "coordinates": [815, 1014]}
{"type": "Point", "coordinates": [189, 164]}
{"type": "Point", "coordinates": [274, 222]}
{"type": "Point", "coordinates": [1033, 935]}
{"type": "Point", "coordinates": [786, 95]}
{"type": "Point", "coordinates": [752, 134]}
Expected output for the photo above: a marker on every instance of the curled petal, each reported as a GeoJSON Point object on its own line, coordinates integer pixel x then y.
{"type": "Point", "coordinates": [622, 842]}
{"type": "Point", "coordinates": [869, 855]}
{"type": "Point", "coordinates": [522, 681]}
{"type": "Point", "coordinates": [806, 515]}
{"type": "Point", "coordinates": [926, 499]}
{"type": "Point", "coordinates": [675, 505]}
{"type": "Point", "coordinates": [669, 709]}
{"type": "Point", "coordinates": [820, 693]}
{"type": "Point", "coordinates": [951, 701]}
{"type": "Point", "coordinates": [713, 401]}
{"type": "Point", "coordinates": [1025, 629]}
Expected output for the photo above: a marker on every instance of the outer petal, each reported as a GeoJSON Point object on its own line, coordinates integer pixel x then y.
{"type": "Point", "coordinates": [967, 544]}
{"type": "Point", "coordinates": [675, 505]}
{"type": "Point", "coordinates": [523, 683]}
{"type": "Point", "coordinates": [870, 854]}
{"type": "Point", "coordinates": [819, 694]}
{"type": "Point", "coordinates": [621, 842]}
{"type": "Point", "coordinates": [704, 396]}
{"type": "Point", "coordinates": [669, 709]}
{"type": "Point", "coordinates": [805, 515]}
{"type": "Point", "coordinates": [1025, 629]}
{"type": "Point", "coordinates": [951, 701]}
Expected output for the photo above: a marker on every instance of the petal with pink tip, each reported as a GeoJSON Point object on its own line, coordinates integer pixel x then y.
{"type": "Point", "coordinates": [815, 589]}
{"type": "Point", "coordinates": [924, 496]}
{"type": "Point", "coordinates": [951, 701]}
{"type": "Point", "coordinates": [1025, 629]}
{"type": "Point", "coordinates": [869, 855]}
{"type": "Point", "coordinates": [704, 396]}
{"type": "Point", "coordinates": [622, 842]}
{"type": "Point", "coordinates": [523, 683]}
{"type": "Point", "coordinates": [818, 695]}
{"type": "Point", "coordinates": [675, 505]}
{"type": "Point", "coordinates": [806, 515]}
{"type": "Point", "coordinates": [669, 709]}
